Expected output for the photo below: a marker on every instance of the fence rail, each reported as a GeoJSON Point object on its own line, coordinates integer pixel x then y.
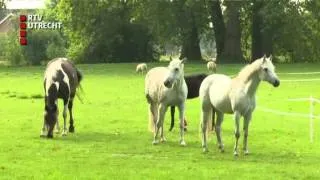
{"type": "Point", "coordinates": [312, 101]}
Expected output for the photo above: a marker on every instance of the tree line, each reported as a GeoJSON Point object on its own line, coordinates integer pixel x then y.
{"type": "Point", "coordinates": [144, 30]}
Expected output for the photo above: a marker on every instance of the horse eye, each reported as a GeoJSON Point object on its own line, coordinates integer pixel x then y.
{"type": "Point", "coordinates": [265, 69]}
{"type": "Point", "coordinates": [176, 69]}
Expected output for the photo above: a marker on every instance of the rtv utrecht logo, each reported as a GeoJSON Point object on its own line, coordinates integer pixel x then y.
{"type": "Point", "coordinates": [34, 21]}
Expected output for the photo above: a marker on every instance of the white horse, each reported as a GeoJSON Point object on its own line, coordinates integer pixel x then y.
{"type": "Point", "coordinates": [234, 96]}
{"type": "Point", "coordinates": [142, 67]}
{"type": "Point", "coordinates": [212, 66]}
{"type": "Point", "coordinates": [165, 86]}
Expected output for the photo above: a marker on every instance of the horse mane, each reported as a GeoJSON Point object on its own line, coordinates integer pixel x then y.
{"type": "Point", "coordinates": [247, 71]}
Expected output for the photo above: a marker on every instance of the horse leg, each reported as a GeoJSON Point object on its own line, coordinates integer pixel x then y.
{"type": "Point", "coordinates": [162, 138]}
{"type": "Point", "coordinates": [204, 122]}
{"type": "Point", "coordinates": [220, 117]}
{"type": "Point", "coordinates": [185, 124]}
{"type": "Point", "coordinates": [247, 119]}
{"type": "Point", "coordinates": [236, 131]}
{"type": "Point", "coordinates": [65, 107]}
{"type": "Point", "coordinates": [57, 127]}
{"type": "Point", "coordinates": [181, 117]}
{"type": "Point", "coordinates": [43, 130]}
{"type": "Point", "coordinates": [152, 117]}
{"type": "Point", "coordinates": [70, 105]}
{"type": "Point", "coordinates": [213, 119]}
{"type": "Point", "coordinates": [172, 118]}
{"type": "Point", "coordinates": [50, 131]}
{"type": "Point", "coordinates": [161, 113]}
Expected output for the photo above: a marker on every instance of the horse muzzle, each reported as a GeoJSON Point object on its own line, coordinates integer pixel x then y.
{"type": "Point", "coordinates": [276, 83]}
{"type": "Point", "coordinates": [167, 84]}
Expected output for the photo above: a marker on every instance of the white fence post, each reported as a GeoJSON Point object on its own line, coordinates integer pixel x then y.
{"type": "Point", "coordinates": [311, 118]}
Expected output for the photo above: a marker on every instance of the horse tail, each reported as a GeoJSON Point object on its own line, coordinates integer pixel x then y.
{"type": "Point", "coordinates": [79, 75]}
{"type": "Point", "coordinates": [209, 124]}
{"type": "Point", "coordinates": [172, 118]}
{"type": "Point", "coordinates": [153, 114]}
{"type": "Point", "coordinates": [213, 124]}
{"type": "Point", "coordinates": [209, 121]}
{"type": "Point", "coordinates": [151, 122]}
{"type": "Point", "coordinates": [149, 100]}
{"type": "Point", "coordinates": [80, 78]}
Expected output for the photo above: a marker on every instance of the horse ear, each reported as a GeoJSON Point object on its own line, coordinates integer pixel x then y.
{"type": "Point", "coordinates": [264, 58]}
{"type": "Point", "coordinates": [183, 60]}
{"type": "Point", "coordinates": [270, 57]}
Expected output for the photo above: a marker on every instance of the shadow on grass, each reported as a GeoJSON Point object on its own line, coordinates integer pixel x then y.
{"type": "Point", "coordinates": [5, 92]}
{"type": "Point", "coordinates": [21, 96]}
{"type": "Point", "coordinates": [87, 137]}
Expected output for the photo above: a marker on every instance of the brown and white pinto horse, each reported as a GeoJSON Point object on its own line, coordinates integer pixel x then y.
{"type": "Point", "coordinates": [61, 80]}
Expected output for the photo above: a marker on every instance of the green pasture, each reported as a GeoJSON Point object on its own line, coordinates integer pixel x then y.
{"type": "Point", "coordinates": [112, 141]}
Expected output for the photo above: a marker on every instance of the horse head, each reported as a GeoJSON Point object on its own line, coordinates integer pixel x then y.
{"type": "Point", "coordinates": [176, 72]}
{"type": "Point", "coordinates": [267, 71]}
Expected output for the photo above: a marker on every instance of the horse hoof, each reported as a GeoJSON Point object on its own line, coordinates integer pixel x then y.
{"type": "Point", "coordinates": [235, 153]}
{"type": "Point", "coordinates": [163, 139]}
{"type": "Point", "coordinates": [246, 152]}
{"type": "Point", "coordinates": [50, 136]}
{"type": "Point", "coordinates": [57, 131]}
{"type": "Point", "coordinates": [183, 143]}
{"type": "Point", "coordinates": [205, 150]}
{"type": "Point", "coordinates": [43, 135]}
{"type": "Point", "coordinates": [155, 142]}
{"type": "Point", "coordinates": [64, 134]}
{"type": "Point", "coordinates": [71, 129]}
{"type": "Point", "coordinates": [221, 148]}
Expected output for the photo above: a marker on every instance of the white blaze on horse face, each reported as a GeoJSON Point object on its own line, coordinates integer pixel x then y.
{"type": "Point", "coordinates": [267, 72]}
{"type": "Point", "coordinates": [175, 72]}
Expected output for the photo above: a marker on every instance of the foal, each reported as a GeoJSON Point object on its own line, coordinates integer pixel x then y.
{"type": "Point", "coordinates": [61, 80]}
{"type": "Point", "coordinates": [165, 86]}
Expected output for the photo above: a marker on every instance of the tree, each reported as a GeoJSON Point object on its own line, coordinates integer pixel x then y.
{"type": "Point", "coordinates": [232, 52]}
{"type": "Point", "coordinates": [2, 9]}
{"type": "Point", "coordinates": [189, 31]}
{"type": "Point", "coordinates": [257, 25]}
{"type": "Point", "coordinates": [113, 35]}
{"type": "Point", "coordinates": [218, 26]}
{"type": "Point", "coordinates": [178, 22]}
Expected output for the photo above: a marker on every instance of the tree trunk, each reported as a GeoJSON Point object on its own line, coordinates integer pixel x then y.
{"type": "Point", "coordinates": [257, 49]}
{"type": "Point", "coordinates": [267, 45]}
{"type": "Point", "coordinates": [218, 26]}
{"type": "Point", "coordinates": [191, 42]}
{"type": "Point", "coordinates": [232, 52]}
{"type": "Point", "coordinates": [261, 35]}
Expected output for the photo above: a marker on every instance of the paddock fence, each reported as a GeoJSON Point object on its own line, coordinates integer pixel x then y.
{"type": "Point", "coordinates": [311, 101]}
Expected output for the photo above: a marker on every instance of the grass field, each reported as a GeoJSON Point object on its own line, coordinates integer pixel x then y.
{"type": "Point", "coordinates": [112, 142]}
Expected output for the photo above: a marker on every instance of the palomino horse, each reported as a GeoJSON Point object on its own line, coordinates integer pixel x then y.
{"type": "Point", "coordinates": [193, 83]}
{"type": "Point", "coordinates": [234, 96]}
{"type": "Point", "coordinates": [165, 86]}
{"type": "Point", "coordinates": [61, 80]}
